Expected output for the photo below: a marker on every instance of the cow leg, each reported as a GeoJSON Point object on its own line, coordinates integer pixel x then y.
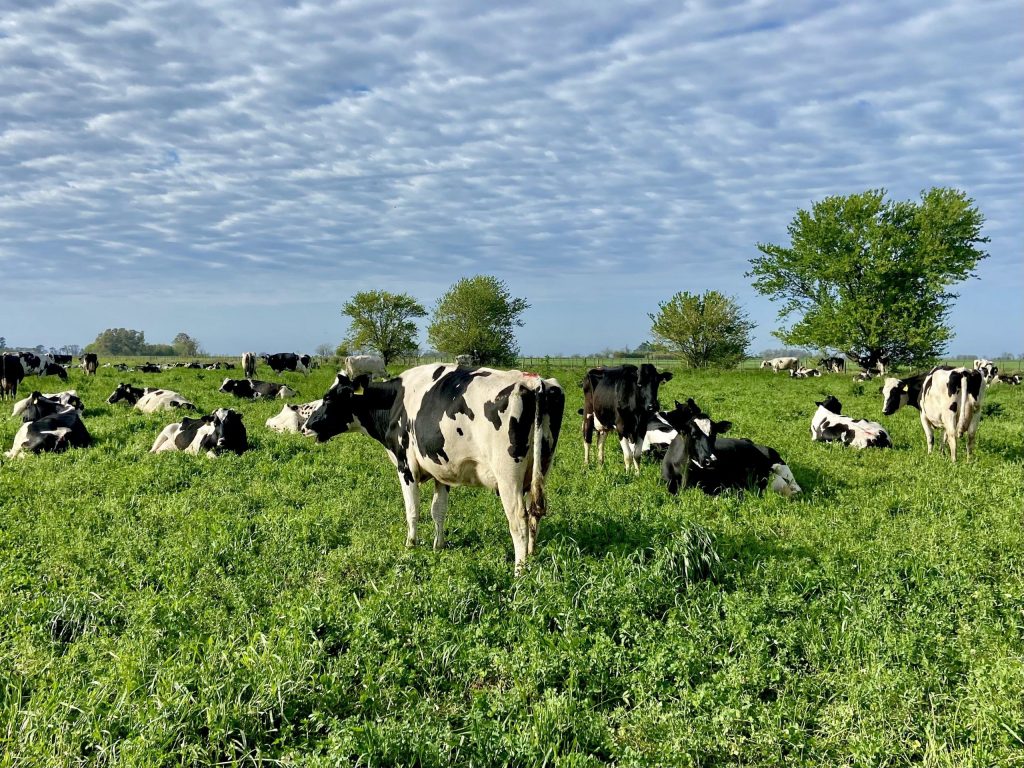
{"type": "Point", "coordinates": [630, 454]}
{"type": "Point", "coordinates": [588, 436]}
{"type": "Point", "coordinates": [951, 442]}
{"type": "Point", "coordinates": [411, 495]}
{"type": "Point", "coordinates": [929, 432]}
{"type": "Point", "coordinates": [515, 510]}
{"type": "Point", "coordinates": [602, 435]}
{"type": "Point", "coordinates": [438, 509]}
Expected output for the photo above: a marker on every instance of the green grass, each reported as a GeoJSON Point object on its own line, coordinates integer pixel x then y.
{"type": "Point", "coordinates": [172, 610]}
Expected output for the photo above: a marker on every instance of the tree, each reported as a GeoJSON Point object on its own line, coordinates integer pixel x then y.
{"type": "Point", "coordinates": [382, 321]}
{"type": "Point", "coordinates": [324, 350]}
{"type": "Point", "coordinates": [476, 317]}
{"type": "Point", "coordinates": [185, 346]}
{"type": "Point", "coordinates": [869, 277]}
{"type": "Point", "coordinates": [119, 342]}
{"type": "Point", "coordinates": [3, 342]}
{"type": "Point", "coordinates": [703, 329]}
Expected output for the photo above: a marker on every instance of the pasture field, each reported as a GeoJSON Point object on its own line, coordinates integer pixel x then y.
{"type": "Point", "coordinates": [262, 609]}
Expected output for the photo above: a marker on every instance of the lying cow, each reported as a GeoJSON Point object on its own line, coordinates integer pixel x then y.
{"type": "Point", "coordinates": [287, 361]}
{"type": "Point", "coordinates": [1007, 378]}
{"type": "Point", "coordinates": [458, 426]}
{"type": "Point", "coordinates": [62, 359]}
{"type": "Point", "coordinates": [658, 437]}
{"type": "Point", "coordinates": [699, 457]}
{"type": "Point", "coordinates": [863, 376]}
{"type": "Point", "coordinates": [948, 399]}
{"type": "Point", "coordinates": [829, 425]}
{"type": "Point", "coordinates": [781, 364]}
{"type": "Point", "coordinates": [149, 368]}
{"type": "Point", "coordinates": [11, 374]}
{"type": "Point", "coordinates": [804, 373]}
{"type": "Point", "coordinates": [150, 399]}
{"type": "Point", "coordinates": [249, 365]}
{"type": "Point", "coordinates": [90, 362]}
{"type": "Point", "coordinates": [292, 418]}
{"type": "Point", "coordinates": [621, 398]}
{"type": "Point", "coordinates": [369, 365]}
{"type": "Point", "coordinates": [832, 364]}
{"type": "Point", "coordinates": [60, 400]}
{"type": "Point", "coordinates": [48, 430]}
{"type": "Point", "coordinates": [215, 433]}
{"type": "Point", "coordinates": [253, 389]}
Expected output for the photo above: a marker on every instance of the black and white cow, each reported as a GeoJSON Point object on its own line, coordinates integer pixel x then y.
{"type": "Point", "coordinates": [781, 364]}
{"type": "Point", "coordinates": [90, 362]}
{"type": "Point", "coordinates": [828, 425]}
{"type": "Point", "coordinates": [1008, 378]}
{"type": "Point", "coordinates": [215, 433]}
{"type": "Point", "coordinates": [35, 365]}
{"type": "Point", "coordinates": [11, 374]}
{"type": "Point", "coordinates": [623, 398]}
{"type": "Point", "coordinates": [150, 399]}
{"type": "Point", "coordinates": [359, 365]}
{"type": "Point", "coordinates": [658, 437]}
{"type": "Point", "coordinates": [292, 418]}
{"type": "Point", "coordinates": [833, 364]}
{"type": "Point", "coordinates": [53, 369]}
{"type": "Point", "coordinates": [249, 365]}
{"type": "Point", "coordinates": [287, 361]}
{"type": "Point", "coordinates": [62, 359]}
{"type": "Point", "coordinates": [253, 389]}
{"type": "Point", "coordinates": [148, 367]}
{"type": "Point", "coordinates": [458, 426]}
{"type": "Point", "coordinates": [54, 432]}
{"type": "Point", "coordinates": [804, 373]}
{"type": "Point", "coordinates": [948, 399]}
{"type": "Point", "coordinates": [59, 401]}
{"type": "Point", "coordinates": [699, 457]}
{"type": "Point", "coordinates": [863, 376]}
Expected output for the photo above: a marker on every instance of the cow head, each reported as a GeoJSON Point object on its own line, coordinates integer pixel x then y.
{"type": "Point", "coordinates": [650, 379]}
{"type": "Point", "coordinates": [895, 394]}
{"type": "Point", "coordinates": [229, 431]}
{"type": "Point", "coordinates": [830, 403]}
{"type": "Point", "coordinates": [40, 407]}
{"type": "Point", "coordinates": [229, 385]}
{"type": "Point", "coordinates": [125, 392]}
{"type": "Point", "coordinates": [336, 414]}
{"type": "Point", "coordinates": [766, 363]}
{"type": "Point", "coordinates": [698, 430]}
{"type": "Point", "coordinates": [52, 369]}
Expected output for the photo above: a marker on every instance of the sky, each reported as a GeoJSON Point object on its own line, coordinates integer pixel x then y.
{"type": "Point", "coordinates": [237, 170]}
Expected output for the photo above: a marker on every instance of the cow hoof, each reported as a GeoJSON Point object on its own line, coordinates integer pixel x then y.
{"type": "Point", "coordinates": [410, 543]}
{"type": "Point", "coordinates": [440, 545]}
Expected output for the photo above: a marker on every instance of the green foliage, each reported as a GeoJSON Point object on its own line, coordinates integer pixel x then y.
{"type": "Point", "coordinates": [477, 317]}
{"type": "Point", "coordinates": [382, 321]}
{"type": "Point", "coordinates": [870, 277]}
{"type": "Point", "coordinates": [185, 346]}
{"type": "Point", "coordinates": [119, 341]}
{"type": "Point", "coordinates": [3, 342]}
{"type": "Point", "coordinates": [708, 329]}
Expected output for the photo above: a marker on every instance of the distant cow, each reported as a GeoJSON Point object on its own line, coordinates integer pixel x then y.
{"type": "Point", "coordinates": [53, 369]}
{"type": "Point", "coordinates": [53, 433]}
{"type": "Point", "coordinates": [220, 431]}
{"type": "Point", "coordinates": [699, 457]}
{"type": "Point", "coordinates": [829, 425]}
{"type": "Point", "coordinates": [1007, 378]}
{"type": "Point", "coordinates": [90, 362]}
{"type": "Point", "coordinates": [988, 369]}
{"type": "Point", "coordinates": [863, 376]}
{"type": "Point", "coordinates": [62, 359]}
{"type": "Point", "coordinates": [60, 401]}
{"type": "Point", "coordinates": [358, 365]}
{"type": "Point", "coordinates": [35, 365]}
{"type": "Point", "coordinates": [287, 361]}
{"type": "Point", "coordinates": [623, 398]}
{"type": "Point", "coordinates": [292, 418]}
{"type": "Point", "coordinates": [781, 364]}
{"type": "Point", "coordinates": [948, 398]}
{"type": "Point", "coordinates": [150, 399]}
{"type": "Point", "coordinates": [11, 374]}
{"type": "Point", "coordinates": [253, 389]}
{"type": "Point", "coordinates": [832, 364]}
{"type": "Point", "coordinates": [148, 367]}
{"type": "Point", "coordinates": [459, 426]}
{"type": "Point", "coordinates": [804, 373]}
{"type": "Point", "coordinates": [249, 365]}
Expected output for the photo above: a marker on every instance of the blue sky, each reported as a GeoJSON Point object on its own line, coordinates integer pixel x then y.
{"type": "Point", "coordinates": [237, 170]}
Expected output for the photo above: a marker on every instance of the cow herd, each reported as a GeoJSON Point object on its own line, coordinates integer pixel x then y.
{"type": "Point", "coordinates": [498, 429]}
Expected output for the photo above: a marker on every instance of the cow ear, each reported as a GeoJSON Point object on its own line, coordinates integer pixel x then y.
{"type": "Point", "coordinates": [666, 376]}
{"type": "Point", "coordinates": [721, 427]}
{"type": "Point", "coordinates": [904, 387]}
{"type": "Point", "coordinates": [818, 402]}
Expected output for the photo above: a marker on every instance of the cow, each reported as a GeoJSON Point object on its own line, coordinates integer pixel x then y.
{"type": "Point", "coordinates": [863, 376]}
{"type": "Point", "coordinates": [35, 365]}
{"type": "Point", "coordinates": [149, 399]}
{"type": "Point", "coordinates": [253, 389]}
{"type": "Point", "coordinates": [658, 437]}
{"type": "Point", "coordinates": [59, 399]}
{"type": "Point", "coordinates": [90, 362]}
{"type": "Point", "coordinates": [292, 418]}
{"type": "Point", "coordinates": [804, 373]}
{"type": "Point", "coordinates": [215, 433]}
{"type": "Point", "coordinates": [699, 457]}
{"type": "Point", "coordinates": [249, 365]}
{"type": "Point", "coordinates": [833, 364]}
{"type": "Point", "coordinates": [458, 426]}
{"type": "Point", "coordinates": [622, 398]}
{"type": "Point", "coordinates": [53, 369]}
{"type": "Point", "coordinates": [55, 433]}
{"type": "Point", "coordinates": [358, 365]}
{"type": "Point", "coordinates": [466, 360]}
{"type": "Point", "coordinates": [948, 398]}
{"type": "Point", "coordinates": [62, 359]}
{"type": "Point", "coordinates": [981, 362]}
{"type": "Point", "coordinates": [148, 367]}
{"type": "Point", "coordinates": [829, 425]}
{"type": "Point", "coordinates": [1007, 378]}
{"type": "Point", "coordinates": [287, 361]}
{"type": "Point", "coordinates": [11, 374]}
{"type": "Point", "coordinates": [781, 364]}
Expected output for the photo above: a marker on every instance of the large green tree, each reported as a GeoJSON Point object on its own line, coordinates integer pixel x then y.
{"type": "Point", "coordinates": [119, 342]}
{"type": "Point", "coordinates": [870, 277]}
{"type": "Point", "coordinates": [477, 317]}
{"type": "Point", "coordinates": [703, 329]}
{"type": "Point", "coordinates": [383, 322]}
{"type": "Point", "coordinates": [185, 346]}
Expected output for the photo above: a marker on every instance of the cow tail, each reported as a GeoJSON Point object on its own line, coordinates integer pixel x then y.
{"type": "Point", "coordinates": [967, 404]}
{"type": "Point", "coordinates": [538, 504]}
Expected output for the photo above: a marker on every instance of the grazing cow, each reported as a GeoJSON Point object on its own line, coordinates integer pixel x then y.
{"type": "Point", "coordinates": [249, 365]}
{"type": "Point", "coordinates": [35, 365]}
{"type": "Point", "coordinates": [90, 362]}
{"type": "Point", "coordinates": [220, 431]}
{"type": "Point", "coordinates": [833, 364]}
{"type": "Point", "coordinates": [62, 359]}
{"type": "Point", "coordinates": [698, 457]}
{"type": "Point", "coordinates": [781, 364]}
{"type": "Point", "coordinates": [53, 369]}
{"type": "Point", "coordinates": [359, 365]}
{"type": "Point", "coordinates": [828, 425]}
{"type": "Point", "coordinates": [55, 433]}
{"type": "Point", "coordinates": [804, 373]}
{"type": "Point", "coordinates": [292, 418]}
{"type": "Point", "coordinates": [11, 374]}
{"type": "Point", "coordinates": [948, 398]}
{"type": "Point", "coordinates": [253, 389]}
{"type": "Point", "coordinates": [150, 400]}
{"type": "Point", "coordinates": [60, 400]}
{"type": "Point", "coordinates": [459, 426]}
{"type": "Point", "coordinates": [287, 361]}
{"type": "Point", "coordinates": [623, 398]}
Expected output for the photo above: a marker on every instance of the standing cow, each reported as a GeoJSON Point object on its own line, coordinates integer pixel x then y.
{"type": "Point", "coordinates": [11, 374]}
{"type": "Point", "coordinates": [832, 364]}
{"type": "Point", "coordinates": [90, 362]}
{"type": "Point", "coordinates": [781, 364]}
{"type": "Point", "coordinates": [457, 426]}
{"type": "Point", "coordinates": [359, 365]}
{"type": "Point", "coordinates": [249, 365]}
{"type": "Point", "coordinates": [287, 361]}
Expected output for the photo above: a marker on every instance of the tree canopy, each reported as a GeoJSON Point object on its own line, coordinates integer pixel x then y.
{"type": "Point", "coordinates": [124, 342]}
{"type": "Point", "coordinates": [703, 329]}
{"type": "Point", "coordinates": [185, 346]}
{"type": "Point", "coordinates": [477, 317]}
{"type": "Point", "coordinates": [383, 322]}
{"type": "Point", "coordinates": [869, 276]}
